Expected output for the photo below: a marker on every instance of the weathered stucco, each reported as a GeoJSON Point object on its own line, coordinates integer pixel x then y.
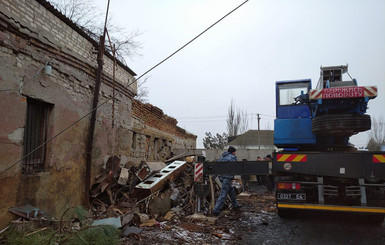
{"type": "Point", "coordinates": [25, 48]}
{"type": "Point", "coordinates": [32, 35]}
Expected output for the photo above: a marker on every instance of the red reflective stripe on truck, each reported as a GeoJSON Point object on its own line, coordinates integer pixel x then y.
{"type": "Point", "coordinates": [291, 157]}
{"type": "Point", "coordinates": [370, 91]}
{"type": "Point", "coordinates": [379, 158]}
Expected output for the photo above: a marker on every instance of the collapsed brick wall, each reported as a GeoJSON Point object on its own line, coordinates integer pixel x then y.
{"type": "Point", "coordinates": [155, 135]}
{"type": "Point", "coordinates": [31, 35]}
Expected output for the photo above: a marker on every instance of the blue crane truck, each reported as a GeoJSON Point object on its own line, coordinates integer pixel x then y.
{"type": "Point", "coordinates": [316, 168]}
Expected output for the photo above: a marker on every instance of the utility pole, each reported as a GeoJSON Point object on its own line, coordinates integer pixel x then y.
{"type": "Point", "coordinates": [259, 132]}
{"type": "Point", "coordinates": [91, 130]}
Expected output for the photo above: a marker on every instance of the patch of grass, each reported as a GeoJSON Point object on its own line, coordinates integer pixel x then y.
{"type": "Point", "coordinates": [97, 235]}
{"type": "Point", "coordinates": [20, 238]}
{"type": "Point", "coordinates": [87, 235]}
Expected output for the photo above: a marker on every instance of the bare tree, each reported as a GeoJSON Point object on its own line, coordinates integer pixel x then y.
{"type": "Point", "coordinates": [85, 14]}
{"type": "Point", "coordinates": [236, 120]}
{"type": "Point", "coordinates": [244, 124]}
{"type": "Point", "coordinates": [232, 124]}
{"type": "Point", "coordinates": [377, 134]}
{"type": "Point", "coordinates": [81, 12]}
{"type": "Point", "coordinates": [142, 91]}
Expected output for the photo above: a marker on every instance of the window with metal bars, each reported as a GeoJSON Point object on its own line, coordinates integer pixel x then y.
{"type": "Point", "coordinates": [35, 134]}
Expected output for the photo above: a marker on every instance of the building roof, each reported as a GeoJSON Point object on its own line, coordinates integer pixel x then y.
{"type": "Point", "coordinates": [79, 30]}
{"type": "Point", "coordinates": [251, 138]}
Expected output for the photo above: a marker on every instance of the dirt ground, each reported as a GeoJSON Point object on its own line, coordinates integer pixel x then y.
{"type": "Point", "coordinates": [258, 223]}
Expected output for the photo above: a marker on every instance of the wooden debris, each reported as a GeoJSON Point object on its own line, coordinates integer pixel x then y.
{"type": "Point", "coordinates": [169, 216]}
{"type": "Point", "coordinates": [149, 223]}
{"type": "Point", "coordinates": [34, 232]}
{"type": "Point", "coordinates": [6, 228]}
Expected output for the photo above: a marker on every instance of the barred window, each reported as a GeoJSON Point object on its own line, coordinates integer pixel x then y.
{"type": "Point", "coordinates": [35, 134]}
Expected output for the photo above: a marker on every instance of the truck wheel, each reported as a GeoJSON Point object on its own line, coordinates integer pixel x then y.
{"type": "Point", "coordinates": [284, 213]}
{"type": "Point", "coordinates": [340, 124]}
{"type": "Point", "coordinates": [376, 219]}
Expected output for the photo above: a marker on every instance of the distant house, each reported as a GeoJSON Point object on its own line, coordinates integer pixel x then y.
{"type": "Point", "coordinates": [254, 139]}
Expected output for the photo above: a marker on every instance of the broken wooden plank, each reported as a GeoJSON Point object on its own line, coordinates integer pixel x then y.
{"type": "Point", "coordinates": [34, 232]}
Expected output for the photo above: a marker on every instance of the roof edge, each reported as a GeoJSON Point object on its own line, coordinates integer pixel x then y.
{"type": "Point", "coordinates": [79, 30]}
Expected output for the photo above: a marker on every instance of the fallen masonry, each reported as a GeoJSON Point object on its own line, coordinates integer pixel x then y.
{"type": "Point", "coordinates": [145, 204]}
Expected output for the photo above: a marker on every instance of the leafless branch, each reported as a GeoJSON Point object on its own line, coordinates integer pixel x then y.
{"type": "Point", "coordinates": [377, 134]}
{"type": "Point", "coordinates": [236, 120]}
{"type": "Point", "coordinates": [91, 20]}
{"type": "Point", "coordinates": [142, 91]}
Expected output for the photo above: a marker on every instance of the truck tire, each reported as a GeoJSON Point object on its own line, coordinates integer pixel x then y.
{"type": "Point", "coordinates": [375, 219]}
{"type": "Point", "coordinates": [340, 124]}
{"type": "Point", "coordinates": [284, 213]}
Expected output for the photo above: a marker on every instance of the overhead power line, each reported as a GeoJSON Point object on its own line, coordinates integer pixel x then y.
{"type": "Point", "coordinates": [200, 120]}
{"type": "Point", "coordinates": [129, 84]}
{"type": "Point", "coordinates": [201, 117]}
{"type": "Point", "coordinates": [184, 119]}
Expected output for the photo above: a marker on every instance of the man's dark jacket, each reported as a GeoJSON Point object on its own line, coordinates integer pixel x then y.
{"type": "Point", "coordinates": [227, 157]}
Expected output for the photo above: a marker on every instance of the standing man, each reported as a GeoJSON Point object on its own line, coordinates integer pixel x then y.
{"type": "Point", "coordinates": [260, 178]}
{"type": "Point", "coordinates": [227, 188]}
{"type": "Point", "coordinates": [269, 178]}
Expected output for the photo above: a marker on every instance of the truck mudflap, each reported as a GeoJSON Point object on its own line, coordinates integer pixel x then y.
{"type": "Point", "coordinates": [337, 208]}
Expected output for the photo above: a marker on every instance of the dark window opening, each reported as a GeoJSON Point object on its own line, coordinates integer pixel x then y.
{"type": "Point", "coordinates": [35, 134]}
{"type": "Point", "coordinates": [156, 148]}
{"type": "Point", "coordinates": [148, 146]}
{"type": "Point", "coordinates": [133, 143]}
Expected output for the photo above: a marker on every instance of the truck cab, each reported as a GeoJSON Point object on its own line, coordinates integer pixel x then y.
{"type": "Point", "coordinates": [292, 127]}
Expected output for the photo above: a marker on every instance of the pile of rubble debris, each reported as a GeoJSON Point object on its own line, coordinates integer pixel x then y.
{"type": "Point", "coordinates": [155, 198]}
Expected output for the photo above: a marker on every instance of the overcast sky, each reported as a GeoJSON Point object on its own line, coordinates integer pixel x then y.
{"type": "Point", "coordinates": [243, 56]}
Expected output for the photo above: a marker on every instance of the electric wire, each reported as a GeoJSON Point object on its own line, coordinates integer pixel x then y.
{"type": "Point", "coordinates": [267, 115]}
{"type": "Point", "coordinates": [113, 97]}
{"type": "Point", "coordinates": [200, 121]}
{"type": "Point", "coordinates": [221, 116]}
{"type": "Point", "coordinates": [216, 118]}
{"type": "Point", "coordinates": [34, 76]}
{"type": "Point", "coordinates": [21, 87]}
{"type": "Point", "coordinates": [200, 117]}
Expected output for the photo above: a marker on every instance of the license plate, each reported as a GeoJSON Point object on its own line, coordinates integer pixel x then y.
{"type": "Point", "coordinates": [291, 196]}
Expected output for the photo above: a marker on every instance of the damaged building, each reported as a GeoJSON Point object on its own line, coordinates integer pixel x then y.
{"type": "Point", "coordinates": [47, 80]}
